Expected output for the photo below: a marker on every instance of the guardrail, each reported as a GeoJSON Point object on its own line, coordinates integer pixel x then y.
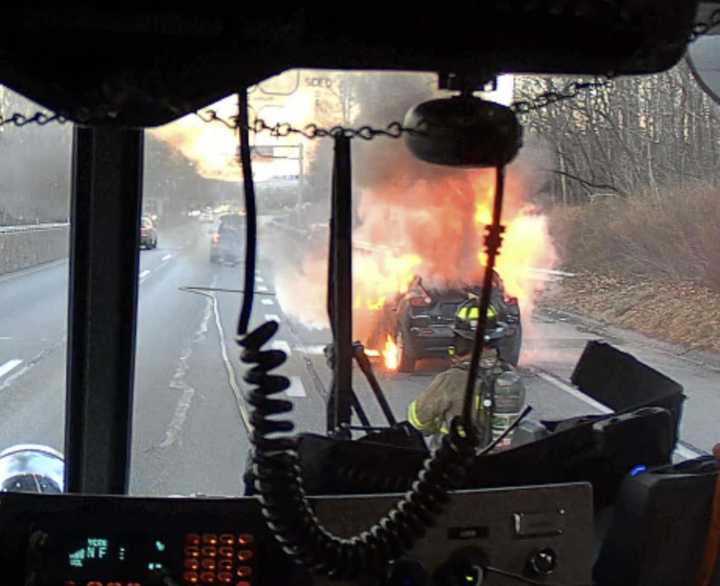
{"type": "Point", "coordinates": [33, 227]}
{"type": "Point", "coordinates": [25, 246]}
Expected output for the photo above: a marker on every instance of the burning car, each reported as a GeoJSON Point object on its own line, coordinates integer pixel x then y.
{"type": "Point", "coordinates": [418, 323]}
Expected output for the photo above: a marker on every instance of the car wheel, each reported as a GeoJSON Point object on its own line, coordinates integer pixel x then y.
{"type": "Point", "coordinates": [213, 259]}
{"type": "Point", "coordinates": [406, 355]}
{"type": "Point", "coordinates": [155, 243]}
{"type": "Point", "coordinates": [509, 348]}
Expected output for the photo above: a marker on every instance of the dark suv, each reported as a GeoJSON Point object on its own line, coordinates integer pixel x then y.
{"type": "Point", "coordinates": [228, 241]}
{"type": "Point", "coordinates": [421, 322]}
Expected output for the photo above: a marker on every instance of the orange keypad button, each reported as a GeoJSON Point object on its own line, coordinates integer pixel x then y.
{"type": "Point", "coordinates": [226, 565]}
{"type": "Point", "coordinates": [245, 539]}
{"type": "Point", "coordinates": [227, 539]}
{"type": "Point", "coordinates": [94, 584]}
{"type": "Point", "coordinates": [192, 552]}
{"type": "Point", "coordinates": [225, 577]}
{"type": "Point", "coordinates": [226, 551]}
{"type": "Point", "coordinates": [209, 551]}
{"type": "Point", "coordinates": [245, 555]}
{"type": "Point", "coordinates": [207, 578]}
{"type": "Point", "coordinates": [192, 564]}
{"type": "Point", "coordinates": [209, 539]}
{"type": "Point", "coordinates": [209, 564]}
{"type": "Point", "coordinates": [243, 583]}
{"type": "Point", "coordinates": [244, 571]}
{"type": "Point", "coordinates": [191, 577]}
{"type": "Point", "coordinates": [192, 539]}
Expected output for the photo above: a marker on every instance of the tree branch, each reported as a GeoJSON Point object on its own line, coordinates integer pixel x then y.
{"type": "Point", "coordinates": [585, 182]}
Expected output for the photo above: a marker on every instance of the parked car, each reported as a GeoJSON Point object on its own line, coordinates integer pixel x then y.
{"type": "Point", "coordinates": [228, 240]}
{"type": "Point", "coordinates": [148, 233]}
{"type": "Point", "coordinates": [421, 320]}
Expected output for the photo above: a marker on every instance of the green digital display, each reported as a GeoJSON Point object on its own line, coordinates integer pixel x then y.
{"type": "Point", "coordinates": [94, 549]}
{"type": "Point", "coordinates": [124, 557]}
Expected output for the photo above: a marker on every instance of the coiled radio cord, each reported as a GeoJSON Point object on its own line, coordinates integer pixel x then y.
{"type": "Point", "coordinates": [276, 467]}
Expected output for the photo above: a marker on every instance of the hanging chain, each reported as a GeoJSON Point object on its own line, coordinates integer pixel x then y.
{"type": "Point", "coordinates": [39, 118]}
{"type": "Point", "coordinates": [569, 92]}
{"type": "Point", "coordinates": [311, 131]}
{"type": "Point", "coordinates": [396, 129]}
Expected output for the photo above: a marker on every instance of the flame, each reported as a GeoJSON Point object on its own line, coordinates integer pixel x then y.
{"type": "Point", "coordinates": [211, 148]}
{"type": "Point", "coordinates": [391, 354]}
{"type": "Point", "coordinates": [379, 275]}
{"type": "Point", "coordinates": [438, 234]}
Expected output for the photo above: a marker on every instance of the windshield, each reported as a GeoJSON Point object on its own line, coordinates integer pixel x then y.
{"type": "Point", "coordinates": [35, 165]}
{"type": "Point", "coordinates": [611, 219]}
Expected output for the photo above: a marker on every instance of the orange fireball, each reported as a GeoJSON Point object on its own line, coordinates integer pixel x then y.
{"type": "Point", "coordinates": [391, 354]}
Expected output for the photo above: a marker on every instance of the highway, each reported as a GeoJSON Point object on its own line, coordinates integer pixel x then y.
{"type": "Point", "coordinates": [190, 428]}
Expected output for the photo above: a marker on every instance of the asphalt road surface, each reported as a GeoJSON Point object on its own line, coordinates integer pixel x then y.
{"type": "Point", "coordinates": [190, 430]}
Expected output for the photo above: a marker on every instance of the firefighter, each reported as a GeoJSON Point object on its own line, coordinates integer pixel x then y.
{"type": "Point", "coordinates": [500, 393]}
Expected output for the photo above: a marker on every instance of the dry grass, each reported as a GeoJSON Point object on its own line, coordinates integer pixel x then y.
{"type": "Point", "coordinates": [679, 312]}
{"type": "Point", "coordinates": [672, 235]}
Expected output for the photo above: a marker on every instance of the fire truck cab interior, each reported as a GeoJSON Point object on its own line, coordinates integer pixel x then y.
{"type": "Point", "coordinates": [567, 508]}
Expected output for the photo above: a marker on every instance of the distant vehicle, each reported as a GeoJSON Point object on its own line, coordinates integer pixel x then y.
{"type": "Point", "coordinates": [206, 217]}
{"type": "Point", "coordinates": [228, 241]}
{"type": "Point", "coordinates": [148, 233]}
{"type": "Point", "coordinates": [420, 322]}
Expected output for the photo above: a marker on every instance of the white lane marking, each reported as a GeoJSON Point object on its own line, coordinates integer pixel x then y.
{"type": "Point", "coordinates": [9, 365]}
{"type": "Point", "coordinates": [272, 317]}
{"type": "Point", "coordinates": [166, 257]}
{"type": "Point", "coordinates": [180, 383]}
{"type": "Point", "coordinates": [262, 288]}
{"type": "Point", "coordinates": [232, 380]}
{"type": "Point", "coordinates": [281, 345]}
{"type": "Point", "coordinates": [574, 392]}
{"type": "Point", "coordinates": [686, 453]}
{"type": "Point", "coordinates": [296, 388]}
{"type": "Point", "coordinates": [313, 349]}
{"type": "Point", "coordinates": [144, 274]}
{"type": "Point", "coordinates": [267, 301]}
{"type": "Point", "coordinates": [259, 279]}
{"type": "Point", "coordinates": [5, 338]}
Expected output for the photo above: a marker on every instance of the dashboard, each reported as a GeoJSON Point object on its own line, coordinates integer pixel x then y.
{"type": "Point", "coordinates": [538, 534]}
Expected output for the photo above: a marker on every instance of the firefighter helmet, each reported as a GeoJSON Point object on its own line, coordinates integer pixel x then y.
{"type": "Point", "coordinates": [466, 321]}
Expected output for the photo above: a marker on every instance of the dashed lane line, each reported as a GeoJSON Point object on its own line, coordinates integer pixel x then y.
{"type": "Point", "coordinates": [262, 288]}
{"type": "Point", "coordinates": [269, 317]}
{"type": "Point", "coordinates": [312, 349]}
{"type": "Point", "coordinates": [166, 257]}
{"type": "Point", "coordinates": [296, 388]}
{"type": "Point", "coordinates": [267, 301]}
{"type": "Point", "coordinates": [9, 366]}
{"type": "Point", "coordinates": [281, 345]}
